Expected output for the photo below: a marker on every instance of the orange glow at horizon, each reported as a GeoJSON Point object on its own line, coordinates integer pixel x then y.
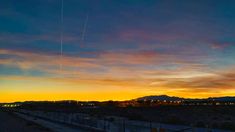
{"type": "Point", "coordinates": [24, 89]}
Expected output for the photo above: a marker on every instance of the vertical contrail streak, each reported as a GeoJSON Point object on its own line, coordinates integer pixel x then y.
{"type": "Point", "coordinates": [84, 29]}
{"type": "Point", "coordinates": [61, 34]}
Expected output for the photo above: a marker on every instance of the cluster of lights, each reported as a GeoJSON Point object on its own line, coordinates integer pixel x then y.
{"type": "Point", "coordinates": [10, 105]}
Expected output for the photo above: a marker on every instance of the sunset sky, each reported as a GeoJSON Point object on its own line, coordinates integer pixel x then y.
{"type": "Point", "coordinates": [116, 49]}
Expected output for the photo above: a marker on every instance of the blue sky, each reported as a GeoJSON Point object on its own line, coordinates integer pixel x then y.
{"type": "Point", "coordinates": [162, 46]}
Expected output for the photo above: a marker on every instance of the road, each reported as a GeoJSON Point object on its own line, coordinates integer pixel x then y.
{"type": "Point", "coordinates": [55, 127]}
{"type": "Point", "coordinates": [12, 123]}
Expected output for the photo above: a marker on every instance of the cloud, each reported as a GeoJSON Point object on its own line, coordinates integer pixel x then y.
{"type": "Point", "coordinates": [221, 46]}
{"type": "Point", "coordinates": [218, 81]}
{"type": "Point", "coordinates": [146, 35]}
{"type": "Point", "coordinates": [27, 38]}
{"type": "Point", "coordinates": [103, 65]}
{"type": "Point", "coordinates": [26, 59]}
{"type": "Point", "coordinates": [125, 69]}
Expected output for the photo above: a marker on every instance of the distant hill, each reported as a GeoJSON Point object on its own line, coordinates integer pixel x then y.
{"type": "Point", "coordinates": [227, 98]}
{"type": "Point", "coordinates": [161, 98]}
{"type": "Point", "coordinates": [174, 98]}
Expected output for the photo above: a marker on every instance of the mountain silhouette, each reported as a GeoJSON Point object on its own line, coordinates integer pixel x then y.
{"type": "Point", "coordinates": [174, 98]}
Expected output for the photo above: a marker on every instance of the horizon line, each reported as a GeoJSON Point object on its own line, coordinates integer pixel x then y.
{"type": "Point", "coordinates": [110, 99]}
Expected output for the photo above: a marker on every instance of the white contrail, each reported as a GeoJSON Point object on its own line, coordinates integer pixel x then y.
{"type": "Point", "coordinates": [61, 34]}
{"type": "Point", "coordinates": [84, 29]}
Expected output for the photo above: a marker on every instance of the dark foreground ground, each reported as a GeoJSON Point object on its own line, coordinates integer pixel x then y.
{"type": "Point", "coordinates": [222, 117]}
{"type": "Point", "coordinates": [11, 123]}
